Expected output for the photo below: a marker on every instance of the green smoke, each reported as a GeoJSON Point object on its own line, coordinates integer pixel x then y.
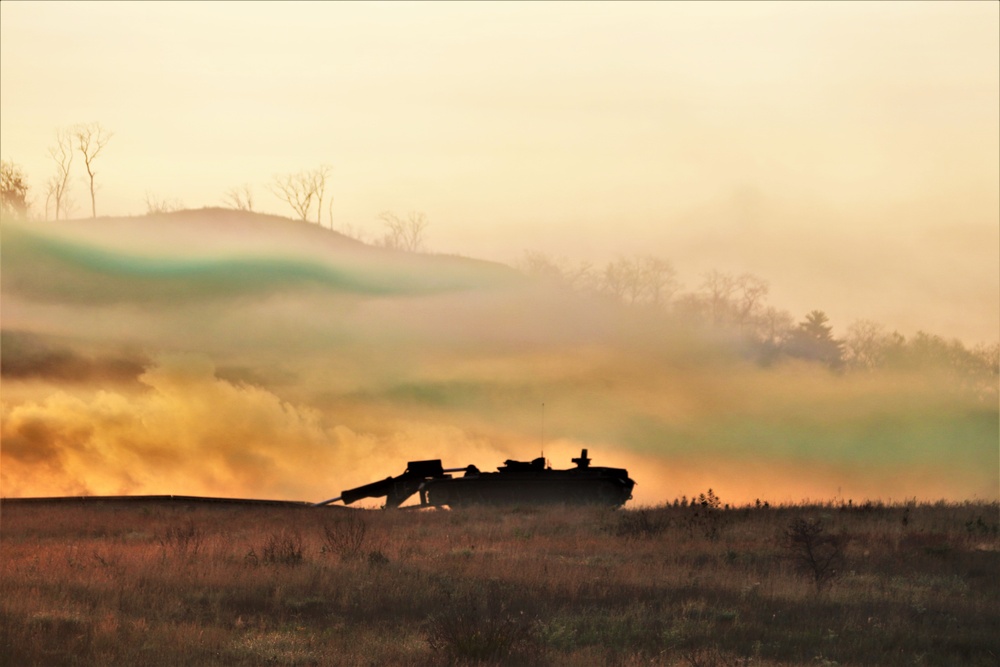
{"type": "Point", "coordinates": [53, 269]}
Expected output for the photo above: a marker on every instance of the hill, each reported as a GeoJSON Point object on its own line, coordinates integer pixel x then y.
{"type": "Point", "coordinates": [195, 255]}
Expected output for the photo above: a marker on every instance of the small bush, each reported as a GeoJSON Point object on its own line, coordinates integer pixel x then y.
{"type": "Point", "coordinates": [816, 552]}
{"type": "Point", "coordinates": [282, 548]}
{"type": "Point", "coordinates": [184, 540]}
{"type": "Point", "coordinates": [706, 515]}
{"type": "Point", "coordinates": [643, 523]}
{"type": "Point", "coordinates": [376, 558]}
{"type": "Point", "coordinates": [709, 500]}
{"type": "Point", "coordinates": [483, 626]}
{"type": "Point", "coordinates": [346, 536]}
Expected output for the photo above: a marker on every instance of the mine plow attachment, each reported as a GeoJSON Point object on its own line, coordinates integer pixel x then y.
{"type": "Point", "coordinates": [396, 490]}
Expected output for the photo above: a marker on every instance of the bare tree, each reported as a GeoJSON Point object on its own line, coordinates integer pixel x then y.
{"type": "Point", "coordinates": [619, 280]}
{"type": "Point", "coordinates": [65, 206]}
{"type": "Point", "coordinates": [558, 271]}
{"type": "Point", "coordinates": [817, 552]}
{"type": "Point", "coordinates": [355, 232]}
{"type": "Point", "coordinates": [319, 176]}
{"type": "Point", "coordinates": [13, 190]}
{"type": "Point", "coordinates": [240, 198]}
{"type": "Point", "coordinates": [750, 293]}
{"type": "Point", "coordinates": [867, 344]}
{"type": "Point", "coordinates": [404, 234]}
{"type": "Point", "coordinates": [57, 187]}
{"type": "Point", "coordinates": [775, 326]}
{"type": "Point", "coordinates": [658, 278]}
{"type": "Point", "coordinates": [581, 277]}
{"type": "Point", "coordinates": [156, 205]}
{"type": "Point", "coordinates": [988, 355]}
{"type": "Point", "coordinates": [297, 190]}
{"type": "Point", "coordinates": [91, 138]}
{"type": "Point", "coordinates": [718, 290]}
{"type": "Point", "coordinates": [539, 265]}
{"type": "Point", "coordinates": [640, 280]}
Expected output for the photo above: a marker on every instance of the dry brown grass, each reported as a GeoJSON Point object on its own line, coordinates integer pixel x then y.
{"type": "Point", "coordinates": [115, 583]}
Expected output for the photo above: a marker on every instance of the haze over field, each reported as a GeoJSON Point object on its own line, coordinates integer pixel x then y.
{"type": "Point", "coordinates": [230, 353]}
{"type": "Point", "coordinates": [845, 154]}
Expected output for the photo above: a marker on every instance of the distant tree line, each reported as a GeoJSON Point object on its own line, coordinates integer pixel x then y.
{"type": "Point", "coordinates": [736, 305]}
{"type": "Point", "coordinates": [730, 303]}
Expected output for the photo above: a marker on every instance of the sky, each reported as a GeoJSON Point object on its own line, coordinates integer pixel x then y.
{"type": "Point", "coordinates": [847, 153]}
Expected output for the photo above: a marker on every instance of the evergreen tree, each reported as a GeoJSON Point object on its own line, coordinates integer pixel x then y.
{"type": "Point", "coordinates": [813, 339]}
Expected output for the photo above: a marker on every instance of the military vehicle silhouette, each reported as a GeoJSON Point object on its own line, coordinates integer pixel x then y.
{"type": "Point", "coordinates": [514, 483]}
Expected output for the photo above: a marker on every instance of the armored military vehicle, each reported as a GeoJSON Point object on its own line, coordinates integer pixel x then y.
{"type": "Point", "coordinates": [514, 483]}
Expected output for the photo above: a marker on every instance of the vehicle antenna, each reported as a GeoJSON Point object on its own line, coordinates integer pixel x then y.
{"type": "Point", "coordinates": [543, 430]}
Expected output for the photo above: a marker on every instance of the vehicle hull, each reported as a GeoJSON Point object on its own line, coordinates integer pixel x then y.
{"type": "Point", "coordinates": [592, 486]}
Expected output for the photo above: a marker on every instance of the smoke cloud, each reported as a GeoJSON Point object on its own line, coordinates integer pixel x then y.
{"type": "Point", "coordinates": [26, 355]}
{"type": "Point", "coordinates": [279, 360]}
{"type": "Point", "coordinates": [189, 432]}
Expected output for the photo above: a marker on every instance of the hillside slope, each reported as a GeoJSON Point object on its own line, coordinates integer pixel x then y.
{"type": "Point", "coordinates": [215, 253]}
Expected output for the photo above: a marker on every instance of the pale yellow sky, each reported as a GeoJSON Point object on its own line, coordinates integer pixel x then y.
{"type": "Point", "coordinates": [846, 152]}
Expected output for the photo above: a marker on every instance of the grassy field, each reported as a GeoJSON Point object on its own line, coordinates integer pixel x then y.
{"type": "Point", "coordinates": [695, 585]}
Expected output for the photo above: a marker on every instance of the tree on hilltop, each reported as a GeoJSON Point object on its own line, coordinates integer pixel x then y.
{"type": "Point", "coordinates": [640, 280]}
{"type": "Point", "coordinates": [13, 190]}
{"type": "Point", "coordinates": [57, 187]}
{"type": "Point", "coordinates": [91, 138]}
{"type": "Point", "coordinates": [404, 233]}
{"type": "Point", "coordinates": [319, 176]}
{"type": "Point", "coordinates": [580, 277]}
{"type": "Point", "coordinates": [298, 191]}
{"type": "Point", "coordinates": [156, 205]}
{"type": "Point", "coordinates": [717, 289]}
{"type": "Point", "coordinates": [813, 339]}
{"type": "Point", "coordinates": [240, 198]}
{"type": "Point", "coordinates": [869, 346]}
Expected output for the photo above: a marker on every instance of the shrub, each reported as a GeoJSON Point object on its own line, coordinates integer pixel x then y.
{"type": "Point", "coordinates": [706, 515]}
{"type": "Point", "coordinates": [376, 558]}
{"type": "Point", "coordinates": [816, 552]}
{"type": "Point", "coordinates": [643, 523]}
{"type": "Point", "coordinates": [346, 536]}
{"type": "Point", "coordinates": [284, 548]}
{"type": "Point", "coordinates": [184, 540]}
{"type": "Point", "coordinates": [481, 626]}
